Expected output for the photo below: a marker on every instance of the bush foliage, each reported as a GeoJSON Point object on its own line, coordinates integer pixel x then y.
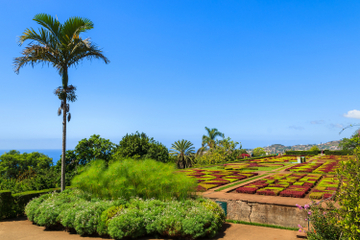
{"type": "Point", "coordinates": [134, 218]}
{"type": "Point", "coordinates": [132, 178]}
{"type": "Point", "coordinates": [140, 146]}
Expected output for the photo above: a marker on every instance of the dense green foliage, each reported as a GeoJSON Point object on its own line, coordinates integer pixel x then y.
{"type": "Point", "coordinates": [131, 178]}
{"type": "Point", "coordinates": [134, 218]}
{"type": "Point", "coordinates": [26, 172]}
{"type": "Point", "coordinates": [302, 153]}
{"type": "Point", "coordinates": [349, 196]}
{"type": "Point", "coordinates": [314, 148]}
{"type": "Point", "coordinates": [140, 146]}
{"type": "Point", "coordinates": [339, 152]}
{"type": "Point", "coordinates": [184, 152]}
{"type": "Point", "coordinates": [14, 165]}
{"type": "Point", "coordinates": [209, 140]}
{"type": "Point", "coordinates": [257, 152]}
{"type": "Point", "coordinates": [224, 150]}
{"type": "Point", "coordinates": [86, 151]}
{"type": "Point", "coordinates": [352, 142]}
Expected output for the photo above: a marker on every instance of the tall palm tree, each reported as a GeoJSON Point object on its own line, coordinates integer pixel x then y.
{"type": "Point", "coordinates": [184, 151]}
{"type": "Point", "coordinates": [209, 139]}
{"type": "Point", "coordinates": [60, 46]}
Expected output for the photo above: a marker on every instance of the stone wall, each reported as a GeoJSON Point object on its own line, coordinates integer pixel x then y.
{"type": "Point", "coordinates": [274, 214]}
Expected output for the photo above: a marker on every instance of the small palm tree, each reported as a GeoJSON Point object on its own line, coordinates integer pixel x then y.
{"type": "Point", "coordinates": [209, 139]}
{"type": "Point", "coordinates": [184, 151]}
{"type": "Point", "coordinates": [60, 46]}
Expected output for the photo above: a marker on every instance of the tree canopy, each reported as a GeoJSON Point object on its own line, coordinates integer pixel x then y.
{"type": "Point", "coordinates": [140, 146]}
{"type": "Point", "coordinates": [13, 164]}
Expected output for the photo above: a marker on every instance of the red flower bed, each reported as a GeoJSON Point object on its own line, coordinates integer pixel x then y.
{"type": "Point", "coordinates": [327, 195]}
{"type": "Point", "coordinates": [246, 190]}
{"type": "Point", "coordinates": [308, 184]}
{"type": "Point", "coordinates": [266, 192]}
{"type": "Point", "coordinates": [295, 194]}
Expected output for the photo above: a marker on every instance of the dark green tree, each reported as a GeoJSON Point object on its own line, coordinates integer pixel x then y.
{"type": "Point", "coordinates": [13, 164]}
{"type": "Point", "coordinates": [86, 151]}
{"type": "Point", "coordinates": [352, 142]}
{"type": "Point", "coordinates": [140, 146]}
{"type": "Point", "coordinates": [184, 152]}
{"type": "Point", "coordinates": [60, 46]}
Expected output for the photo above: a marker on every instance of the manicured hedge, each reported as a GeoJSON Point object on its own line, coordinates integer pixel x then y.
{"type": "Point", "coordinates": [13, 205]}
{"type": "Point", "coordinates": [338, 152]}
{"type": "Point", "coordinates": [302, 153]}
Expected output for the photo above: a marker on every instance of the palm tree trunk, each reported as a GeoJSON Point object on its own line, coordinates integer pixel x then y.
{"type": "Point", "coordinates": [65, 79]}
{"type": "Point", "coordinates": [63, 146]}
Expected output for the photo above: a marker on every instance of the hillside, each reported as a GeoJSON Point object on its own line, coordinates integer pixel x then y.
{"type": "Point", "coordinates": [279, 148]}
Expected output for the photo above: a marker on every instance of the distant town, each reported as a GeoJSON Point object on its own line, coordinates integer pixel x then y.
{"type": "Point", "coordinates": [279, 148]}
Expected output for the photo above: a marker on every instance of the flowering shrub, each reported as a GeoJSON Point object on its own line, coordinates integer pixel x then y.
{"type": "Point", "coordinates": [322, 222]}
{"type": "Point", "coordinates": [133, 218]}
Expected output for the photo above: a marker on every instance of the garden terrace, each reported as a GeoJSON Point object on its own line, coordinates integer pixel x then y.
{"type": "Point", "coordinates": [208, 179]}
{"type": "Point", "coordinates": [305, 167]}
{"type": "Point", "coordinates": [333, 157]}
{"type": "Point", "coordinates": [275, 159]}
{"type": "Point", "coordinates": [295, 185]}
{"type": "Point", "coordinates": [252, 166]}
{"type": "Point", "coordinates": [325, 188]}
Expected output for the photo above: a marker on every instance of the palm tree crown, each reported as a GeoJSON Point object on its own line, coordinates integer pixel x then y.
{"type": "Point", "coordinates": [184, 151]}
{"type": "Point", "coordinates": [209, 139]}
{"type": "Point", "coordinates": [60, 46]}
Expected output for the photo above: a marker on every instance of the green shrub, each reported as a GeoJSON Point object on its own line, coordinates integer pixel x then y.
{"type": "Point", "coordinates": [119, 219]}
{"type": "Point", "coordinates": [32, 208]}
{"type": "Point", "coordinates": [88, 216]}
{"type": "Point", "coordinates": [49, 210]}
{"type": "Point", "coordinates": [106, 216]}
{"type": "Point", "coordinates": [131, 178]}
{"type": "Point", "coordinates": [128, 223]}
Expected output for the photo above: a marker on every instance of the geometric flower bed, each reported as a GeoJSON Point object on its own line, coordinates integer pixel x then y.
{"type": "Point", "coordinates": [250, 166]}
{"type": "Point", "coordinates": [325, 188]}
{"type": "Point", "coordinates": [315, 167]}
{"type": "Point", "coordinates": [275, 159]}
{"type": "Point", "coordinates": [208, 179]}
{"type": "Point", "coordinates": [282, 184]}
{"type": "Point", "coordinates": [305, 167]}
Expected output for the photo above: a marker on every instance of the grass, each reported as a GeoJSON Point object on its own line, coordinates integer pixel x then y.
{"type": "Point", "coordinates": [237, 183]}
{"type": "Point", "coordinates": [262, 225]}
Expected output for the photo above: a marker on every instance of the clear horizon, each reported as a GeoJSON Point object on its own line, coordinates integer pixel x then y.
{"type": "Point", "coordinates": [260, 72]}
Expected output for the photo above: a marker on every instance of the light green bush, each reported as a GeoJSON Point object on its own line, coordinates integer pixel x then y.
{"type": "Point", "coordinates": [135, 178]}
{"type": "Point", "coordinates": [134, 218]}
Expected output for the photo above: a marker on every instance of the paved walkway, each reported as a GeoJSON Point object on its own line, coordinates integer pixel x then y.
{"type": "Point", "coordinates": [22, 229]}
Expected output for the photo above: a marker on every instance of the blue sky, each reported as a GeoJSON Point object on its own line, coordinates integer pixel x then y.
{"type": "Point", "coordinates": [262, 72]}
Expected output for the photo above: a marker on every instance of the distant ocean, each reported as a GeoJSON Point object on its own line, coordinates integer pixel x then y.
{"type": "Point", "coordinates": [52, 153]}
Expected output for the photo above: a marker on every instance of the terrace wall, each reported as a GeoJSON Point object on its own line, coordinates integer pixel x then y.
{"type": "Point", "coordinates": [266, 213]}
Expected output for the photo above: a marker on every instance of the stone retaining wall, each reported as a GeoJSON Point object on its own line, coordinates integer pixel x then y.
{"type": "Point", "coordinates": [274, 214]}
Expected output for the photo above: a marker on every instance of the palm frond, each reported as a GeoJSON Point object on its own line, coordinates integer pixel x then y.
{"type": "Point", "coordinates": [51, 24]}
{"type": "Point", "coordinates": [35, 54]}
{"type": "Point", "coordinates": [72, 28]}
